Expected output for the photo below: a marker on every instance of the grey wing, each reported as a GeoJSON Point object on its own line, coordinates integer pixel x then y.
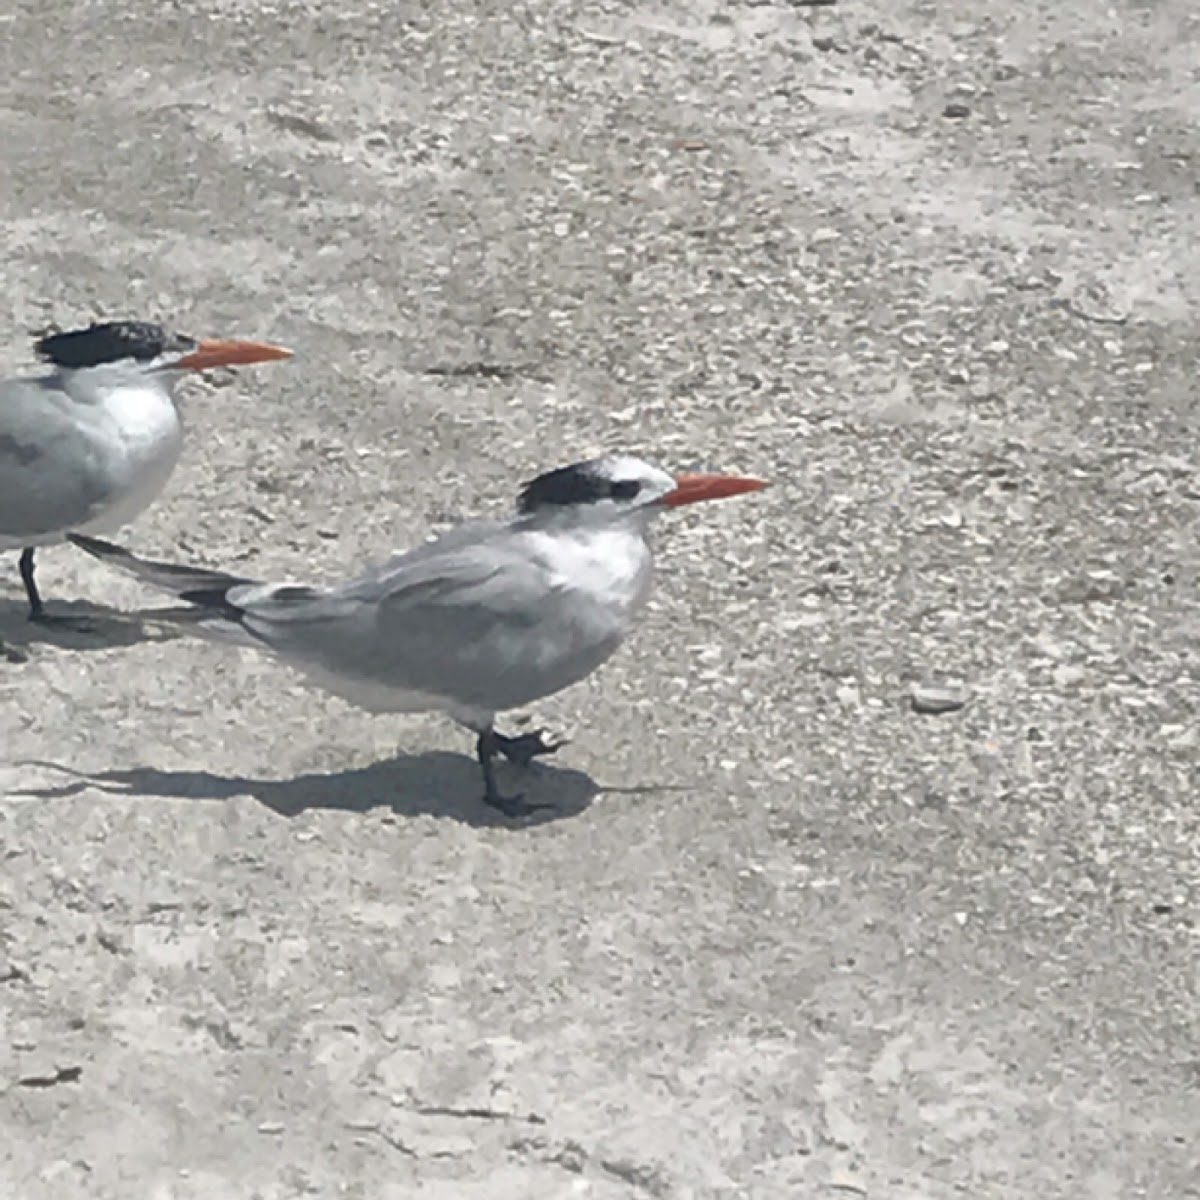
{"type": "Point", "coordinates": [378, 581]}
{"type": "Point", "coordinates": [51, 479]}
{"type": "Point", "coordinates": [494, 625]}
{"type": "Point", "coordinates": [480, 622]}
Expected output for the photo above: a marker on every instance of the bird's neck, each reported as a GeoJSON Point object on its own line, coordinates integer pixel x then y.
{"type": "Point", "coordinates": [113, 387]}
{"type": "Point", "coordinates": [609, 560]}
{"type": "Point", "coordinates": [139, 408]}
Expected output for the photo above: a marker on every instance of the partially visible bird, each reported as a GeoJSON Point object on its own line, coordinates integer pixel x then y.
{"type": "Point", "coordinates": [90, 444]}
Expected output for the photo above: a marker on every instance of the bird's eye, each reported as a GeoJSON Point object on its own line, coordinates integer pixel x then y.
{"type": "Point", "coordinates": [625, 489]}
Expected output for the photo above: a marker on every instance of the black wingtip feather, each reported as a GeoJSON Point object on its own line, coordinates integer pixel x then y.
{"type": "Point", "coordinates": [215, 601]}
{"type": "Point", "coordinates": [98, 546]}
{"type": "Point", "coordinates": [208, 589]}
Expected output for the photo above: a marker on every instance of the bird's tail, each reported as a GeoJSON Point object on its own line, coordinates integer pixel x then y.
{"type": "Point", "coordinates": [205, 592]}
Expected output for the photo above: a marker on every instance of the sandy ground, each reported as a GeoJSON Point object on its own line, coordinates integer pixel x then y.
{"type": "Point", "coordinates": [934, 268]}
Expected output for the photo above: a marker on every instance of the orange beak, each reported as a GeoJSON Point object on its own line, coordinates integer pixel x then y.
{"type": "Point", "coordinates": [222, 352]}
{"type": "Point", "coordinates": [691, 488]}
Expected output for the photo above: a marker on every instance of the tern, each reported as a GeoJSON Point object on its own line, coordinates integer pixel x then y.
{"type": "Point", "coordinates": [488, 617]}
{"type": "Point", "coordinates": [91, 444]}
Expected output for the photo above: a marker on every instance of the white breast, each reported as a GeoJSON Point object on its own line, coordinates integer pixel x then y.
{"type": "Point", "coordinates": [609, 565]}
{"type": "Point", "coordinates": [141, 437]}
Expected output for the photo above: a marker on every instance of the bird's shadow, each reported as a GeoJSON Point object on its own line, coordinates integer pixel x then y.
{"type": "Point", "coordinates": [437, 784]}
{"type": "Point", "coordinates": [106, 628]}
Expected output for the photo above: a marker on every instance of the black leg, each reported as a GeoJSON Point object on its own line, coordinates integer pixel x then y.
{"type": "Point", "coordinates": [490, 744]}
{"type": "Point", "coordinates": [37, 610]}
{"type": "Point", "coordinates": [11, 654]}
{"type": "Point", "coordinates": [36, 607]}
{"type": "Point", "coordinates": [525, 747]}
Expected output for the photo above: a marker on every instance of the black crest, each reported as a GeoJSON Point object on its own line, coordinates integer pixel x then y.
{"type": "Point", "coordinates": [580, 483]}
{"type": "Point", "coordinates": [109, 341]}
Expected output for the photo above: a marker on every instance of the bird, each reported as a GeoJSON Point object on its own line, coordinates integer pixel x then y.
{"type": "Point", "coordinates": [488, 617]}
{"type": "Point", "coordinates": [90, 444]}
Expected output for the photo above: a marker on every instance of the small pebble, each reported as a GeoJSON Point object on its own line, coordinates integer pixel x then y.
{"type": "Point", "coordinates": [271, 1127]}
{"type": "Point", "coordinates": [932, 699]}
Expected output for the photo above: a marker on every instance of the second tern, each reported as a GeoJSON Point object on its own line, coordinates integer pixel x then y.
{"type": "Point", "coordinates": [488, 617]}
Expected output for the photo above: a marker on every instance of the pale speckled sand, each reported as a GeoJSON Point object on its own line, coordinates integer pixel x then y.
{"type": "Point", "coordinates": [786, 938]}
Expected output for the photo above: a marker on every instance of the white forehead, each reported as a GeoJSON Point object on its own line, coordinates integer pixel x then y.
{"type": "Point", "coordinates": [625, 466]}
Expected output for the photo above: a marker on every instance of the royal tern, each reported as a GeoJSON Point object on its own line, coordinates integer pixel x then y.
{"type": "Point", "coordinates": [89, 445]}
{"type": "Point", "coordinates": [490, 616]}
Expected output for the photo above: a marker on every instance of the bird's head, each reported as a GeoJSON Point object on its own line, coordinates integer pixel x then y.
{"type": "Point", "coordinates": [123, 350]}
{"type": "Point", "coordinates": [621, 487]}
